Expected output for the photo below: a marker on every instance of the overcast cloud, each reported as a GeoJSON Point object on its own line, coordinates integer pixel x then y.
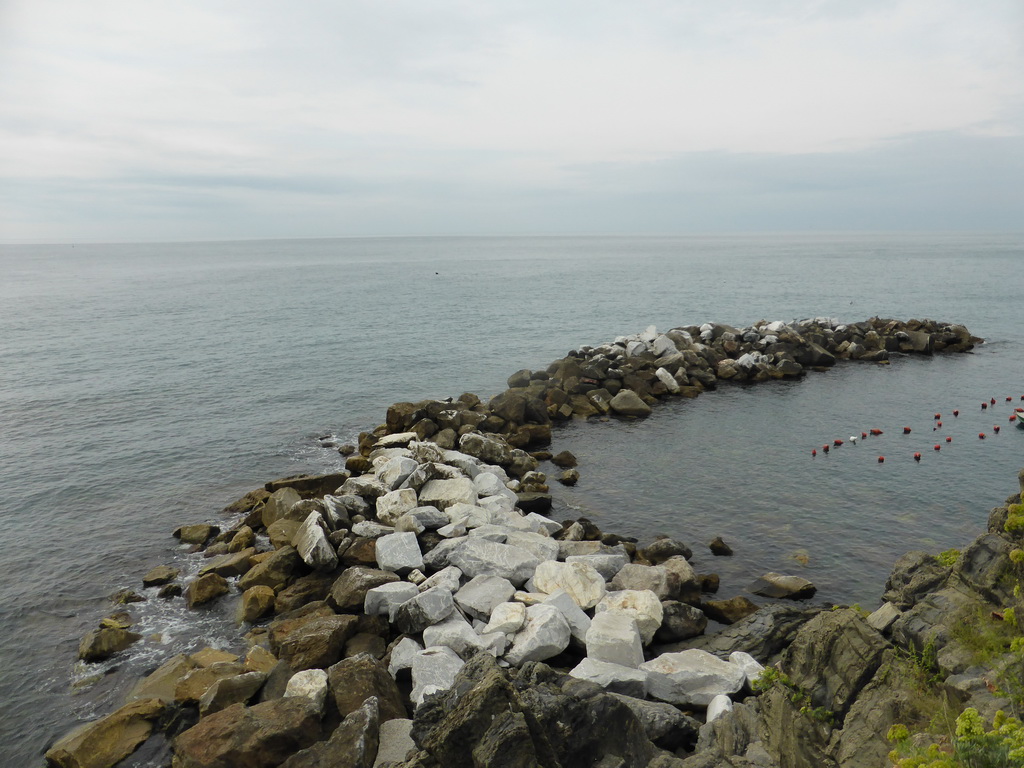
{"type": "Point", "coordinates": [127, 120]}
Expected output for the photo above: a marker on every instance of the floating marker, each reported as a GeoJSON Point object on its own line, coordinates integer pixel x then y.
{"type": "Point", "coordinates": [938, 416]}
{"type": "Point", "coordinates": [837, 443]}
{"type": "Point", "coordinates": [956, 413]}
{"type": "Point", "coordinates": [906, 430]}
{"type": "Point", "coordinates": [824, 448]}
{"type": "Point", "coordinates": [938, 447]}
{"type": "Point", "coordinates": [864, 435]}
{"type": "Point", "coordinates": [948, 440]}
{"type": "Point", "coordinates": [993, 401]}
{"type": "Point", "coordinates": [876, 431]}
{"type": "Point", "coordinates": [853, 439]}
{"type": "Point", "coordinates": [1013, 417]}
{"type": "Point", "coordinates": [995, 429]}
{"type": "Point", "coordinates": [1009, 399]}
{"type": "Point", "coordinates": [917, 456]}
{"type": "Point", "coordinates": [940, 425]}
{"type": "Point", "coordinates": [881, 459]}
{"type": "Point", "coordinates": [814, 451]}
{"type": "Point", "coordinates": [981, 435]}
{"type": "Point", "coordinates": [984, 406]}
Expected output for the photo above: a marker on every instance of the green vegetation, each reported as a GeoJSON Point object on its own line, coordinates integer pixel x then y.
{"type": "Point", "coordinates": [948, 557]}
{"type": "Point", "coordinates": [972, 746]}
{"type": "Point", "coordinates": [773, 677]}
{"type": "Point", "coordinates": [1015, 518]}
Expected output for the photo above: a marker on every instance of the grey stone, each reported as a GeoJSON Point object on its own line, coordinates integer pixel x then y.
{"type": "Point", "coordinates": [395, 742]}
{"type": "Point", "coordinates": [628, 403]}
{"type": "Point", "coordinates": [385, 599]}
{"type": "Point", "coordinates": [476, 557]}
{"type": "Point", "coordinates": [311, 543]}
{"type": "Point", "coordinates": [542, 547]}
{"type": "Point", "coordinates": [545, 634]}
{"type": "Point", "coordinates": [368, 529]}
{"type": "Point", "coordinates": [614, 678]}
{"type": "Point", "coordinates": [481, 594]}
{"type": "Point", "coordinates": [508, 618]}
{"type": "Point", "coordinates": [433, 671]}
{"type": "Point", "coordinates": [579, 622]}
{"type": "Point", "coordinates": [394, 504]}
{"type": "Point", "coordinates": [614, 637]}
{"type": "Point", "coordinates": [718, 706]}
{"type": "Point", "coordinates": [444, 493]}
{"type": "Point", "coordinates": [583, 583]}
{"type": "Point", "coordinates": [448, 577]}
{"type": "Point", "coordinates": [455, 633]}
{"type": "Point", "coordinates": [607, 564]}
{"type": "Point", "coordinates": [778, 585]}
{"type": "Point", "coordinates": [399, 552]}
{"type": "Point", "coordinates": [311, 683]}
{"type": "Point", "coordinates": [692, 677]}
{"type": "Point", "coordinates": [395, 471]}
{"type": "Point", "coordinates": [402, 655]}
{"type": "Point", "coordinates": [428, 607]}
{"type": "Point", "coordinates": [643, 605]}
{"type": "Point", "coordinates": [884, 617]}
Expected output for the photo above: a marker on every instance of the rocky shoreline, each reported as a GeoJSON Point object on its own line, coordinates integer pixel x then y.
{"type": "Point", "coordinates": [419, 609]}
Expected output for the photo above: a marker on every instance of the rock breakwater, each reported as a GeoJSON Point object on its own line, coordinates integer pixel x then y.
{"type": "Point", "coordinates": [420, 606]}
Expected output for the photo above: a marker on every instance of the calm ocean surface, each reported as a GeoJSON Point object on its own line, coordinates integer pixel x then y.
{"type": "Point", "coordinates": [146, 386]}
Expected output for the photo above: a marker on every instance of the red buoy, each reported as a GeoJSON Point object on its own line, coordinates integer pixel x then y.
{"type": "Point", "coordinates": [938, 447]}
{"type": "Point", "coordinates": [984, 406]}
{"type": "Point", "coordinates": [863, 435]}
{"type": "Point", "coordinates": [814, 451]}
{"type": "Point", "coordinates": [824, 448]}
{"type": "Point", "coordinates": [837, 443]}
{"type": "Point", "coordinates": [1009, 399]}
{"type": "Point", "coordinates": [956, 413]}
{"type": "Point", "coordinates": [948, 440]}
{"type": "Point", "coordinates": [917, 457]}
{"type": "Point", "coordinates": [938, 416]}
{"type": "Point", "coordinates": [876, 431]}
{"type": "Point", "coordinates": [881, 459]}
{"type": "Point", "coordinates": [906, 430]}
{"type": "Point", "coordinates": [993, 401]}
{"type": "Point", "coordinates": [940, 425]}
{"type": "Point", "coordinates": [995, 429]}
{"type": "Point", "coordinates": [1013, 417]}
{"type": "Point", "coordinates": [981, 435]}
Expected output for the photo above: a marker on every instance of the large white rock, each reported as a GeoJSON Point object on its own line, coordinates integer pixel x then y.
{"type": "Point", "coordinates": [385, 599]}
{"type": "Point", "coordinates": [606, 563]}
{"type": "Point", "coordinates": [392, 505]}
{"type": "Point", "coordinates": [443, 493]}
{"type": "Point", "coordinates": [544, 547]}
{"type": "Point", "coordinates": [637, 577]}
{"type": "Point", "coordinates": [423, 518]}
{"type": "Point", "coordinates": [311, 683]}
{"type": "Point", "coordinates": [491, 533]}
{"type": "Point", "coordinates": [368, 529]}
{"type": "Point", "coordinates": [425, 452]}
{"type": "Point", "coordinates": [428, 607]}
{"type": "Point", "coordinates": [402, 654]}
{"type": "Point", "coordinates": [614, 678]}
{"type": "Point", "coordinates": [399, 552]}
{"type": "Point", "coordinates": [395, 742]}
{"type": "Point", "coordinates": [393, 473]}
{"type": "Point", "coordinates": [477, 557]}
{"type": "Point", "coordinates": [455, 633]}
{"type": "Point", "coordinates": [499, 505]}
{"type": "Point", "coordinates": [437, 558]}
{"type": "Point", "coordinates": [367, 486]}
{"type": "Point", "coordinates": [495, 643]}
{"type": "Point", "coordinates": [663, 345]}
{"type": "Point", "coordinates": [579, 622]}
{"type": "Point", "coordinates": [615, 638]}
{"type": "Point", "coordinates": [568, 548]}
{"type": "Point", "coordinates": [489, 484]}
{"type": "Point", "coordinates": [643, 605]}
{"type": "Point", "coordinates": [668, 379]}
{"type": "Point", "coordinates": [717, 707]}
{"type": "Point", "coordinates": [470, 515]}
{"type": "Point", "coordinates": [448, 577]}
{"type": "Point", "coordinates": [312, 545]}
{"type": "Point", "coordinates": [453, 530]}
{"type": "Point", "coordinates": [507, 618]}
{"type": "Point", "coordinates": [751, 667]}
{"type": "Point", "coordinates": [509, 517]}
{"type": "Point", "coordinates": [396, 440]}
{"type": "Point", "coordinates": [692, 677]}
{"type": "Point", "coordinates": [482, 593]}
{"type": "Point", "coordinates": [433, 669]}
{"type": "Point", "coordinates": [542, 525]}
{"type": "Point", "coordinates": [583, 583]}
{"type": "Point", "coordinates": [545, 634]}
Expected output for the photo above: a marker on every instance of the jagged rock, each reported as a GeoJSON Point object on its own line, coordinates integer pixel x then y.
{"type": "Point", "coordinates": [232, 564]}
{"type": "Point", "coordinates": [394, 504]}
{"type": "Point", "coordinates": [443, 493]}
{"type": "Point", "coordinates": [507, 618]}
{"type": "Point", "coordinates": [399, 552]}
{"type": "Point", "coordinates": [448, 577]}
{"type": "Point", "coordinates": [161, 682]}
{"type": "Point", "coordinates": [281, 532]}
{"type": "Point", "coordinates": [395, 742]}
{"type": "Point", "coordinates": [541, 547]}
{"type": "Point", "coordinates": [318, 643]}
{"type": "Point", "coordinates": [545, 634]}
{"type": "Point", "coordinates": [274, 572]}
{"type": "Point", "coordinates": [665, 725]}
{"type": "Point", "coordinates": [481, 594]}
{"type": "Point", "coordinates": [394, 472]}
{"type": "Point", "coordinates": [614, 637]}
{"type": "Point", "coordinates": [278, 504]}
{"type": "Point", "coordinates": [237, 689]}
{"type": "Point", "coordinates": [580, 580]}
{"type": "Point", "coordinates": [650, 577]}
{"type": "Point", "coordinates": [433, 670]}
{"type": "Point", "coordinates": [453, 632]}
{"type": "Point", "coordinates": [778, 585]}
{"type": "Point", "coordinates": [692, 677]}
{"type": "Point", "coordinates": [355, 679]}
{"type": "Point", "coordinates": [310, 683]}
{"type": "Point", "coordinates": [680, 622]}
{"type": "Point", "coordinates": [194, 684]}
{"type": "Point", "coordinates": [349, 591]}
{"type": "Point", "coordinates": [579, 622]}
{"type": "Point", "coordinates": [306, 589]}
{"type": "Point", "coordinates": [261, 736]}
{"type": "Point", "coordinates": [729, 611]}
{"type": "Point", "coordinates": [311, 543]}
{"type": "Point", "coordinates": [752, 668]}
{"type": "Point", "coordinates": [614, 678]}
{"type": "Point", "coordinates": [385, 599]}
{"type": "Point", "coordinates": [642, 605]}
{"type": "Point", "coordinates": [428, 607]}
{"type": "Point", "coordinates": [476, 557]}
{"type": "Point", "coordinates": [366, 486]}
{"type": "Point", "coordinates": [204, 589]}
{"type": "Point", "coordinates": [763, 634]}
{"type": "Point", "coordinates": [105, 742]}
{"type": "Point", "coordinates": [882, 618]}
{"type": "Point", "coordinates": [662, 548]}
{"type": "Point", "coordinates": [402, 655]}
{"type": "Point", "coordinates": [196, 534]}
{"type": "Point", "coordinates": [353, 744]}
{"type": "Point", "coordinates": [606, 563]}
{"type": "Point", "coordinates": [628, 403]}
{"type": "Point", "coordinates": [368, 529]}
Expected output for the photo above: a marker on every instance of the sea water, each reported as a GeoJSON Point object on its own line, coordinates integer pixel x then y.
{"type": "Point", "coordinates": [143, 387]}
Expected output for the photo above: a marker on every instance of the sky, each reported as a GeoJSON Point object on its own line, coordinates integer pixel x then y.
{"type": "Point", "coordinates": [137, 121]}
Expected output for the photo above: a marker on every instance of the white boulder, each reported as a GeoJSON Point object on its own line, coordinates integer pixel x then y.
{"type": "Point", "coordinates": [433, 669]}
{"type": "Point", "coordinates": [717, 707]}
{"type": "Point", "coordinates": [643, 605]}
{"type": "Point", "coordinates": [311, 543]}
{"type": "Point", "coordinates": [392, 505]}
{"type": "Point", "coordinates": [399, 552]}
{"type": "Point", "coordinates": [579, 622]}
{"type": "Point", "coordinates": [479, 596]}
{"type": "Point", "coordinates": [476, 557]}
{"type": "Point", "coordinates": [583, 583]}
{"type": "Point", "coordinates": [506, 618]}
{"type": "Point", "coordinates": [443, 493]}
{"type": "Point", "coordinates": [614, 678]}
{"type": "Point", "coordinates": [428, 607]}
{"type": "Point", "coordinates": [545, 634]}
{"type": "Point", "coordinates": [615, 638]}
{"type": "Point", "coordinates": [692, 677]}
{"type": "Point", "coordinates": [385, 599]}
{"type": "Point", "coordinates": [311, 683]}
{"type": "Point", "coordinates": [455, 633]}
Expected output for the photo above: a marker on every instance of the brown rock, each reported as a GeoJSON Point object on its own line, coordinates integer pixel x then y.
{"type": "Point", "coordinates": [354, 680]}
{"type": "Point", "coordinates": [243, 538]}
{"type": "Point", "coordinates": [564, 459]}
{"type": "Point", "coordinates": [161, 683]}
{"type": "Point", "coordinates": [306, 589]}
{"type": "Point", "coordinates": [204, 589]}
{"type": "Point", "coordinates": [238, 689]}
{"type": "Point", "coordinates": [196, 534]}
{"type": "Point", "coordinates": [729, 611]}
{"type": "Point", "coordinates": [279, 502]}
{"type": "Point", "coordinates": [262, 736]}
{"type": "Point", "coordinates": [234, 564]}
{"type": "Point", "coordinates": [349, 591]}
{"type": "Point", "coordinates": [318, 643]}
{"type": "Point", "coordinates": [274, 572]}
{"type": "Point", "coordinates": [354, 743]}
{"type": "Point", "coordinates": [208, 656]}
{"type": "Point", "coordinates": [259, 659]}
{"type": "Point", "coordinates": [107, 741]}
{"type": "Point", "coordinates": [190, 688]}
{"type": "Point", "coordinates": [256, 603]}
{"type": "Point", "coordinates": [366, 642]}
{"type": "Point", "coordinates": [103, 643]}
{"type": "Point", "coordinates": [160, 575]}
{"type": "Point", "coordinates": [360, 552]}
{"type": "Point", "coordinates": [281, 532]}
{"type": "Point", "coordinates": [719, 548]}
